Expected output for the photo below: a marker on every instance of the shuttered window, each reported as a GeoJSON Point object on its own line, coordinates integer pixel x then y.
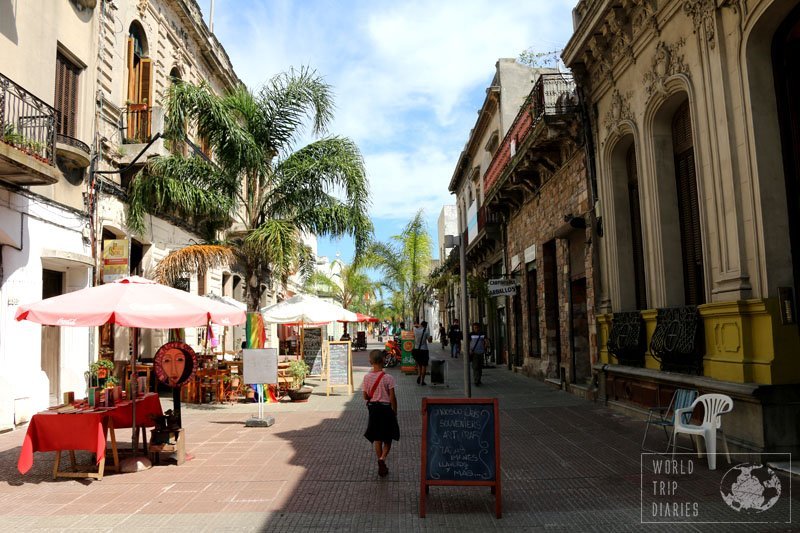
{"type": "Point", "coordinates": [688, 206]}
{"type": "Point", "coordinates": [140, 81]}
{"type": "Point", "coordinates": [66, 95]}
{"type": "Point", "coordinates": [637, 246]}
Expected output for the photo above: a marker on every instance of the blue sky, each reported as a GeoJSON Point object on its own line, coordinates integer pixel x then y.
{"type": "Point", "coordinates": [409, 78]}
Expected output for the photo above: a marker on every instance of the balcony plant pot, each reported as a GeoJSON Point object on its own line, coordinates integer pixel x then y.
{"type": "Point", "coordinates": [300, 395]}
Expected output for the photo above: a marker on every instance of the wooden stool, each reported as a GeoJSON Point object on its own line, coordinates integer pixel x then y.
{"type": "Point", "coordinates": [170, 440]}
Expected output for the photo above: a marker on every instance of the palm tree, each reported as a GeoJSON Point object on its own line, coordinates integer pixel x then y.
{"type": "Point", "coordinates": [405, 262]}
{"type": "Point", "coordinates": [258, 188]}
{"type": "Point", "coordinates": [350, 286]}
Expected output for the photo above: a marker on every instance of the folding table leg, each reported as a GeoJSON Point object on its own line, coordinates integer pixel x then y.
{"type": "Point", "coordinates": [56, 464]}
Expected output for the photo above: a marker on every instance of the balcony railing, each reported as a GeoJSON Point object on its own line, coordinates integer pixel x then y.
{"type": "Point", "coordinates": [137, 121]}
{"type": "Point", "coordinates": [552, 95]}
{"type": "Point", "coordinates": [72, 141]}
{"type": "Point", "coordinates": [26, 122]}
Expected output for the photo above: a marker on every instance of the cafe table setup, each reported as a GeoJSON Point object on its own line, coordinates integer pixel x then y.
{"type": "Point", "coordinates": [133, 302]}
{"type": "Point", "coordinates": [80, 426]}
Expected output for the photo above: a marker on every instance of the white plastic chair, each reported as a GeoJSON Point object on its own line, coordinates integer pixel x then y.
{"type": "Point", "coordinates": [714, 405]}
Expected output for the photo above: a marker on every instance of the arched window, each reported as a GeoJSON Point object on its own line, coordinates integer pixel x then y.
{"type": "Point", "coordinates": [637, 245]}
{"type": "Point", "coordinates": [688, 207]}
{"type": "Point", "coordinates": [140, 82]}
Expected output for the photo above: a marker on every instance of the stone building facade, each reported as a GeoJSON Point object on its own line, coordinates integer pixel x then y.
{"type": "Point", "coordinates": [485, 257]}
{"type": "Point", "coordinates": [539, 193]}
{"type": "Point", "coordinates": [695, 120]}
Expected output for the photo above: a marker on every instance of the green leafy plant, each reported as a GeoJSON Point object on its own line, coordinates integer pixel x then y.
{"type": "Point", "coordinates": [299, 370]}
{"type": "Point", "coordinates": [105, 364]}
{"type": "Point", "coordinates": [10, 135]}
{"type": "Point", "coordinates": [112, 381]}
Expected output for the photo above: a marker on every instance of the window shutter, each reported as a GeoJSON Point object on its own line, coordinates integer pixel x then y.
{"type": "Point", "coordinates": [688, 206]}
{"type": "Point", "coordinates": [637, 244]}
{"type": "Point", "coordinates": [66, 96]}
{"type": "Point", "coordinates": [131, 73]}
{"type": "Point", "coordinates": [145, 83]}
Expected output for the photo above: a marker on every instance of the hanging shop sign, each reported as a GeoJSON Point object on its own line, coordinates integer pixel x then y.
{"type": "Point", "coordinates": [502, 287]}
{"type": "Point", "coordinates": [115, 259]}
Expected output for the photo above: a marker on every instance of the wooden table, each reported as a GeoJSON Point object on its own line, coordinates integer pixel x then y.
{"type": "Point", "coordinates": [87, 430]}
{"type": "Point", "coordinates": [56, 432]}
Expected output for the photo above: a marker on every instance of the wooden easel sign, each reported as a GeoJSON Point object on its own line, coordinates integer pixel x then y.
{"type": "Point", "coordinates": [339, 366]}
{"type": "Point", "coordinates": [460, 446]}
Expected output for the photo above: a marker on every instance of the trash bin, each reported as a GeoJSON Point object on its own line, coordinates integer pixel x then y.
{"type": "Point", "coordinates": [437, 370]}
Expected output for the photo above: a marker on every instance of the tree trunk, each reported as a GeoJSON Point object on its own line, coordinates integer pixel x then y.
{"type": "Point", "coordinates": [253, 295]}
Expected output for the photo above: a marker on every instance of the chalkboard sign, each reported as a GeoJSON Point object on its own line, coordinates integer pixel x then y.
{"type": "Point", "coordinates": [460, 445]}
{"type": "Point", "coordinates": [340, 367]}
{"type": "Point", "coordinates": [312, 350]}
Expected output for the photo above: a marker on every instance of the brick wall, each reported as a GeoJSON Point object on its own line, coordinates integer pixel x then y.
{"type": "Point", "coordinates": [540, 221]}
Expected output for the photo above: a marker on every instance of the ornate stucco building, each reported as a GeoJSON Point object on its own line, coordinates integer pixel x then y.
{"type": "Point", "coordinates": [82, 89]}
{"type": "Point", "coordinates": [696, 117]}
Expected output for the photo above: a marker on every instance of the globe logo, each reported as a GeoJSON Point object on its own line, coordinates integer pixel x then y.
{"type": "Point", "coordinates": [750, 488]}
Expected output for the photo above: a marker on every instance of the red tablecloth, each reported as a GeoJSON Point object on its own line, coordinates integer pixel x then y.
{"type": "Point", "coordinates": [49, 432]}
{"type": "Point", "coordinates": [122, 414]}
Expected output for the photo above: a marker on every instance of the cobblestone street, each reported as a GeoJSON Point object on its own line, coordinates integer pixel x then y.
{"type": "Point", "coordinates": [567, 464]}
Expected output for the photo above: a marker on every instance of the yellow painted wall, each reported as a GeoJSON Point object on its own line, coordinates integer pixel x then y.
{"type": "Point", "coordinates": [745, 342]}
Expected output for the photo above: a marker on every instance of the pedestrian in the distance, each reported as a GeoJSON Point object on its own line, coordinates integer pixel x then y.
{"type": "Point", "coordinates": [421, 352]}
{"type": "Point", "coordinates": [477, 349]}
{"type": "Point", "coordinates": [455, 336]}
{"type": "Point", "coordinates": [442, 335]}
{"type": "Point", "coordinates": [382, 427]}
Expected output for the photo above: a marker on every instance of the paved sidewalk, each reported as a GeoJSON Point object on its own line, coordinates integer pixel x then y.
{"type": "Point", "coordinates": [567, 464]}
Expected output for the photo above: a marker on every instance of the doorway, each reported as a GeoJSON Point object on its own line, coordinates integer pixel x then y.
{"type": "Point", "coordinates": [786, 66]}
{"type": "Point", "coordinates": [52, 285]}
{"type": "Point", "coordinates": [552, 309]}
{"type": "Point", "coordinates": [580, 331]}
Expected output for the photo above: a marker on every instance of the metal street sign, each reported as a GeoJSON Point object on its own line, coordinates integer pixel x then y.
{"type": "Point", "coordinates": [502, 287]}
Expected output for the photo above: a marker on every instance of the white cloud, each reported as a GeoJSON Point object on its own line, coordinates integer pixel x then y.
{"type": "Point", "coordinates": [404, 182]}
{"type": "Point", "coordinates": [409, 76]}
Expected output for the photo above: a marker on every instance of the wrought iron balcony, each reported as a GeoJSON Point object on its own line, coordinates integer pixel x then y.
{"type": "Point", "coordinates": [27, 135]}
{"type": "Point", "coordinates": [552, 95]}
{"type": "Point", "coordinates": [72, 141]}
{"type": "Point", "coordinates": [138, 119]}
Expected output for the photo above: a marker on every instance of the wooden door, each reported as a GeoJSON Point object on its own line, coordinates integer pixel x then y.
{"type": "Point", "coordinates": [52, 285]}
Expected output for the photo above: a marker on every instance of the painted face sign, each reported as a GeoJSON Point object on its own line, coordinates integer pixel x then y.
{"type": "Point", "coordinates": [175, 363]}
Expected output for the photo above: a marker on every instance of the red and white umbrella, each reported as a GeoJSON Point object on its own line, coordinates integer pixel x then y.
{"type": "Point", "coordinates": [362, 318]}
{"type": "Point", "coordinates": [133, 302]}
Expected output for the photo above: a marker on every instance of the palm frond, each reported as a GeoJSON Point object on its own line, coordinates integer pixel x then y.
{"type": "Point", "coordinates": [187, 188]}
{"type": "Point", "coordinates": [193, 259]}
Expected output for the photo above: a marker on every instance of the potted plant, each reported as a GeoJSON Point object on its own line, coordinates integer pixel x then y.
{"type": "Point", "coordinates": [111, 382]}
{"type": "Point", "coordinates": [298, 369]}
{"type": "Point", "coordinates": [101, 369]}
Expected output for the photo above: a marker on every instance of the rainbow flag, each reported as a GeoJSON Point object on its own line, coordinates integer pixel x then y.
{"type": "Point", "coordinates": [255, 332]}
